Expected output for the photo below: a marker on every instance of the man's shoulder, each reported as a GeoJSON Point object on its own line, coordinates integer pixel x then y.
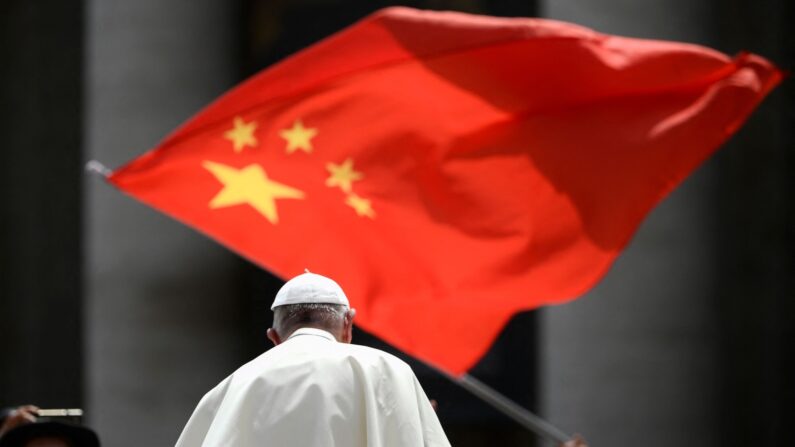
{"type": "Point", "coordinates": [375, 356]}
{"type": "Point", "coordinates": [309, 356]}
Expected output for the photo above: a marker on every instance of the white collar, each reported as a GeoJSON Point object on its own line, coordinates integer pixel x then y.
{"type": "Point", "coordinates": [312, 331]}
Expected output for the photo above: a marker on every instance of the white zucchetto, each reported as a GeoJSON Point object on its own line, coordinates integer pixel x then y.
{"type": "Point", "coordinates": [310, 288]}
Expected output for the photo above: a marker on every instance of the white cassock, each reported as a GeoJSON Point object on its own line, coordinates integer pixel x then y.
{"type": "Point", "coordinates": [313, 391]}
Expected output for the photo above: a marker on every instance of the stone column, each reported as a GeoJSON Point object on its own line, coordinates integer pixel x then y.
{"type": "Point", "coordinates": [635, 361]}
{"type": "Point", "coordinates": [161, 315]}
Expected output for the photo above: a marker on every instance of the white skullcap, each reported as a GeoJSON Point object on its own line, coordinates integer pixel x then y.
{"type": "Point", "coordinates": [308, 288]}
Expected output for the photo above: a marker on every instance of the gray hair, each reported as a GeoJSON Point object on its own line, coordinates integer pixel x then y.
{"type": "Point", "coordinates": [290, 317]}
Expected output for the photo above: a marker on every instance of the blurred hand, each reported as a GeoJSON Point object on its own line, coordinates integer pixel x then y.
{"type": "Point", "coordinates": [576, 441]}
{"type": "Point", "coordinates": [19, 416]}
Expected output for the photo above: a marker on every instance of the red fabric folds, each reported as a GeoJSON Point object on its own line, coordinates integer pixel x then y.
{"type": "Point", "coordinates": [449, 170]}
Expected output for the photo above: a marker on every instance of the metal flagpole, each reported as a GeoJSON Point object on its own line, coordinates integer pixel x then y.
{"type": "Point", "coordinates": [508, 407]}
{"type": "Point", "coordinates": [98, 168]}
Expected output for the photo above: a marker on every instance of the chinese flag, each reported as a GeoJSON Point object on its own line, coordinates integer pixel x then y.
{"type": "Point", "coordinates": [449, 170]}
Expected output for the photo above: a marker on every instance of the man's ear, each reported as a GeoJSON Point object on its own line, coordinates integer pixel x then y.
{"type": "Point", "coordinates": [274, 336]}
{"type": "Point", "coordinates": [347, 332]}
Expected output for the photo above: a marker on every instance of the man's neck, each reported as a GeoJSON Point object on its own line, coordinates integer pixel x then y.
{"type": "Point", "coordinates": [313, 331]}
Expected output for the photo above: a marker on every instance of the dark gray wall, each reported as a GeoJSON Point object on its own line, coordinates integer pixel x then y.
{"type": "Point", "coordinates": [41, 66]}
{"type": "Point", "coordinates": [756, 206]}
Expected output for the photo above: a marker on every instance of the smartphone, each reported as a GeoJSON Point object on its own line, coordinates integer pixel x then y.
{"type": "Point", "coordinates": [68, 415]}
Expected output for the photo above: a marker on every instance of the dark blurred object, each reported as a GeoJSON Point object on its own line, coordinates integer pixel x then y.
{"type": "Point", "coordinates": [13, 417]}
{"type": "Point", "coordinates": [57, 433]}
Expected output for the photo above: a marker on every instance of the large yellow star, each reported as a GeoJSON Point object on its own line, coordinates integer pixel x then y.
{"type": "Point", "coordinates": [342, 175]}
{"type": "Point", "coordinates": [363, 207]}
{"type": "Point", "coordinates": [241, 134]}
{"type": "Point", "coordinates": [298, 137]}
{"type": "Point", "coordinates": [249, 185]}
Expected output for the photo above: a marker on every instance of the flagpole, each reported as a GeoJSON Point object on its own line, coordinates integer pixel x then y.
{"type": "Point", "coordinates": [507, 407]}
{"type": "Point", "coordinates": [97, 168]}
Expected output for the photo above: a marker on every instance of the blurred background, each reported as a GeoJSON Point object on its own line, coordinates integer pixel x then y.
{"type": "Point", "coordinates": [109, 306]}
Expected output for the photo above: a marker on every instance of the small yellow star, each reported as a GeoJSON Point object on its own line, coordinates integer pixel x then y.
{"type": "Point", "coordinates": [298, 137]}
{"type": "Point", "coordinates": [242, 134]}
{"type": "Point", "coordinates": [360, 205]}
{"type": "Point", "coordinates": [249, 185]}
{"type": "Point", "coordinates": [342, 175]}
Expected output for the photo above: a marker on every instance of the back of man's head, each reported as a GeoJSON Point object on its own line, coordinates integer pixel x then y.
{"type": "Point", "coordinates": [311, 301]}
{"type": "Point", "coordinates": [328, 317]}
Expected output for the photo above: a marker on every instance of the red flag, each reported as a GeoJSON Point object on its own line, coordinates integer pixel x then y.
{"type": "Point", "coordinates": [450, 170]}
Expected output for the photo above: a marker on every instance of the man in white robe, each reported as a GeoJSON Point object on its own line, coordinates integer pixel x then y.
{"type": "Point", "coordinates": [314, 388]}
